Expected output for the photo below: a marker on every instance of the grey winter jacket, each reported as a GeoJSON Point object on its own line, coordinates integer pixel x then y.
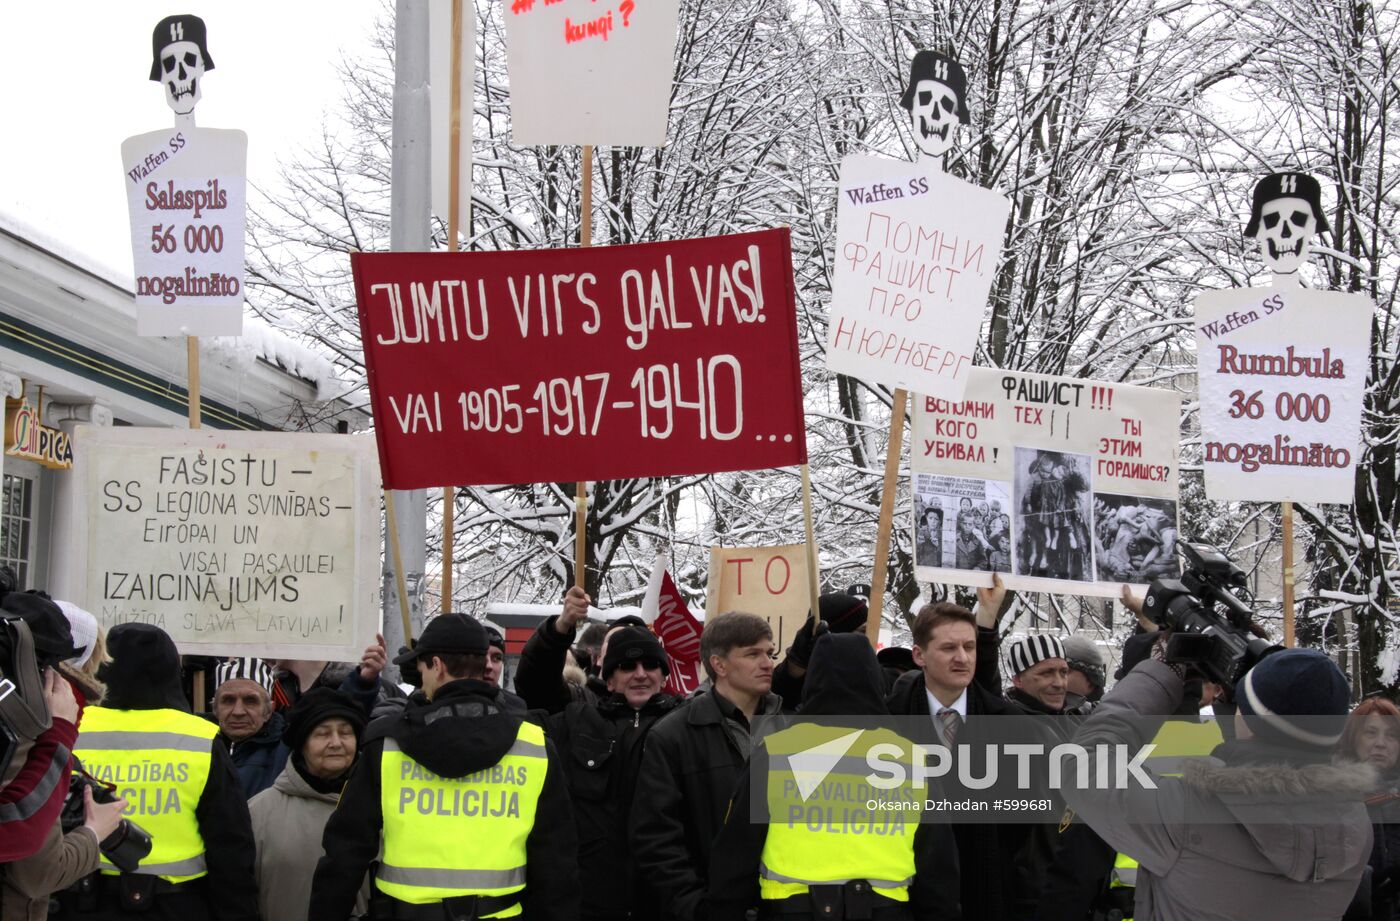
{"type": "Point", "coordinates": [288, 819]}
{"type": "Point", "coordinates": [1216, 843]}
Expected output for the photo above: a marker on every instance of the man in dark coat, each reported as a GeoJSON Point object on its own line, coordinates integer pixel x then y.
{"type": "Point", "coordinates": [843, 679]}
{"type": "Point", "coordinates": [252, 730]}
{"type": "Point", "coordinates": [693, 759]}
{"type": "Point", "coordinates": [947, 651]}
{"type": "Point", "coordinates": [600, 745]}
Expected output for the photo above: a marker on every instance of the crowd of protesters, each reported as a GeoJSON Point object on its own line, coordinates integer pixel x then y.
{"type": "Point", "coordinates": [324, 791]}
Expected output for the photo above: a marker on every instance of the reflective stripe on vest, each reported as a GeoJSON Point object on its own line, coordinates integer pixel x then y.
{"type": "Point", "coordinates": [822, 829]}
{"type": "Point", "coordinates": [159, 761]}
{"type": "Point", "coordinates": [1178, 741]}
{"type": "Point", "coordinates": [446, 837]}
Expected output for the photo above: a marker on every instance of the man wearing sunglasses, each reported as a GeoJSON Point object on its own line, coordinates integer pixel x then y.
{"type": "Point", "coordinates": [599, 738]}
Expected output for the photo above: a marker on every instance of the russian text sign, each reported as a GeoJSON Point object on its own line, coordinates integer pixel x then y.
{"type": "Point", "coordinates": [771, 582]}
{"type": "Point", "coordinates": [186, 195]}
{"type": "Point", "coordinates": [652, 359]}
{"type": "Point", "coordinates": [1283, 377]}
{"type": "Point", "coordinates": [590, 72]}
{"type": "Point", "coordinates": [916, 251]}
{"type": "Point", "coordinates": [1059, 484]}
{"type": "Point", "coordinates": [235, 543]}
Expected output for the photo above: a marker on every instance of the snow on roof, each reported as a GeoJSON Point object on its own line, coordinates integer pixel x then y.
{"type": "Point", "coordinates": [259, 340]}
{"type": "Point", "coordinates": [262, 341]}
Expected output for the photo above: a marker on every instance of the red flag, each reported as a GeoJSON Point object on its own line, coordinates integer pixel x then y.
{"type": "Point", "coordinates": [679, 633]}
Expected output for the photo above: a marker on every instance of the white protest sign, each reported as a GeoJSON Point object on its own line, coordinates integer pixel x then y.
{"type": "Point", "coordinates": [1060, 484]}
{"type": "Point", "coordinates": [186, 195]}
{"type": "Point", "coordinates": [771, 582]}
{"type": "Point", "coordinates": [235, 543]}
{"type": "Point", "coordinates": [916, 252]}
{"type": "Point", "coordinates": [1282, 377]}
{"type": "Point", "coordinates": [590, 71]}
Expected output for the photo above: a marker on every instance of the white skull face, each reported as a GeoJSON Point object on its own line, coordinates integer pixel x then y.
{"type": "Point", "coordinates": [1286, 227]}
{"type": "Point", "coordinates": [182, 70]}
{"type": "Point", "coordinates": [934, 117]}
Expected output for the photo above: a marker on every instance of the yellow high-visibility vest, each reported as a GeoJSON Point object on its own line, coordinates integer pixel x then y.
{"type": "Point", "coordinates": [159, 761]}
{"type": "Point", "coordinates": [446, 837]}
{"type": "Point", "coordinates": [1178, 741]}
{"type": "Point", "coordinates": [822, 829]}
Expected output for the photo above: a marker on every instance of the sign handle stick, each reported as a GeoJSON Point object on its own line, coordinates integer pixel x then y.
{"type": "Point", "coordinates": [887, 497]}
{"type": "Point", "coordinates": [581, 488]}
{"type": "Point", "coordinates": [1288, 639]}
{"type": "Point", "coordinates": [454, 181]}
{"type": "Point", "coordinates": [400, 587]}
{"type": "Point", "coordinates": [813, 580]}
{"type": "Point", "coordinates": [192, 363]}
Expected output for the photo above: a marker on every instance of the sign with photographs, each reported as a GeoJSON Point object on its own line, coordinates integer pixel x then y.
{"type": "Point", "coordinates": [1059, 484]}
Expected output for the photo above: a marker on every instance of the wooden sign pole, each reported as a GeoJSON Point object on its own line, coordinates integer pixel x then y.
{"type": "Point", "coordinates": [401, 588]}
{"type": "Point", "coordinates": [454, 179]}
{"type": "Point", "coordinates": [192, 391]}
{"type": "Point", "coordinates": [581, 488]}
{"type": "Point", "coordinates": [1288, 639]}
{"type": "Point", "coordinates": [813, 580]}
{"type": "Point", "coordinates": [882, 533]}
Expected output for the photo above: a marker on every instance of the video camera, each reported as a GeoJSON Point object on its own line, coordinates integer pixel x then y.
{"type": "Point", "coordinates": [126, 847]}
{"type": "Point", "coordinates": [1208, 619]}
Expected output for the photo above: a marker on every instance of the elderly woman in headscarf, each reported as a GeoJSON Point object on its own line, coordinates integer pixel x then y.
{"type": "Point", "coordinates": [322, 734]}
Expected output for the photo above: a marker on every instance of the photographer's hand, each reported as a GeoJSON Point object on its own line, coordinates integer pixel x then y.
{"type": "Point", "coordinates": [102, 818]}
{"type": "Point", "coordinates": [63, 705]}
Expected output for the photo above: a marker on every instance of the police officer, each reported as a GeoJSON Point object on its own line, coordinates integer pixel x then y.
{"type": "Point", "coordinates": [179, 785]}
{"type": "Point", "coordinates": [468, 800]}
{"type": "Point", "coordinates": [796, 850]}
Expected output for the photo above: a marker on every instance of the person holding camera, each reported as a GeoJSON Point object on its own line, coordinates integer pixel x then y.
{"type": "Point", "coordinates": [1269, 820]}
{"type": "Point", "coordinates": [70, 848]}
{"type": "Point", "coordinates": [181, 790]}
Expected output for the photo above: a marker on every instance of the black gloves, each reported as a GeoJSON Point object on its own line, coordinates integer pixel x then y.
{"type": "Point", "coordinates": [801, 649]}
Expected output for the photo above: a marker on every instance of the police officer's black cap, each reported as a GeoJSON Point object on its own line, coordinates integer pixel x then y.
{"type": "Point", "coordinates": [183, 27]}
{"type": "Point", "coordinates": [1286, 185]}
{"type": "Point", "coordinates": [449, 633]}
{"type": "Point", "coordinates": [930, 65]}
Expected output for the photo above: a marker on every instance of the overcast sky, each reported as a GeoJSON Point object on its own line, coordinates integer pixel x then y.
{"type": "Point", "coordinates": [75, 86]}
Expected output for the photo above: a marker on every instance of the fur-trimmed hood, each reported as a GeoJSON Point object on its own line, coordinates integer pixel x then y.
{"type": "Point", "coordinates": [1308, 820]}
{"type": "Point", "coordinates": [1351, 781]}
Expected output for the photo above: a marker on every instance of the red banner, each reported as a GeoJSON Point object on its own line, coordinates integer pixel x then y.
{"type": "Point", "coordinates": [680, 637]}
{"type": "Point", "coordinates": [534, 366]}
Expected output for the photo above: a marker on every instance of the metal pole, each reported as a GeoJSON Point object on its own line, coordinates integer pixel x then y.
{"type": "Point", "coordinates": [409, 215]}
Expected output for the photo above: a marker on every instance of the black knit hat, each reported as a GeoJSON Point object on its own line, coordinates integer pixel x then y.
{"type": "Point", "coordinates": [843, 613]}
{"type": "Point", "coordinates": [630, 645]}
{"type": "Point", "coordinates": [1286, 185]}
{"type": "Point", "coordinates": [1295, 696]}
{"type": "Point", "coordinates": [314, 708]}
{"type": "Point", "coordinates": [184, 27]}
{"type": "Point", "coordinates": [930, 65]}
{"type": "Point", "coordinates": [144, 669]}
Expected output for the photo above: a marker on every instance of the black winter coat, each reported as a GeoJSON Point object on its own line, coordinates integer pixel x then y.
{"type": "Point", "coordinates": [450, 746]}
{"type": "Point", "coordinates": [987, 854]}
{"type": "Point", "coordinates": [259, 759]}
{"type": "Point", "coordinates": [690, 769]}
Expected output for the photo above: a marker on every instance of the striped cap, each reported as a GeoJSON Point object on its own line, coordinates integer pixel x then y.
{"type": "Point", "coordinates": [246, 669]}
{"type": "Point", "coordinates": [1028, 650]}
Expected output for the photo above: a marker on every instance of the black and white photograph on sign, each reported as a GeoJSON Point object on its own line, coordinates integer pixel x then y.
{"type": "Point", "coordinates": [962, 523]}
{"type": "Point", "coordinates": [1135, 538]}
{"type": "Point", "coordinates": [1053, 515]}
